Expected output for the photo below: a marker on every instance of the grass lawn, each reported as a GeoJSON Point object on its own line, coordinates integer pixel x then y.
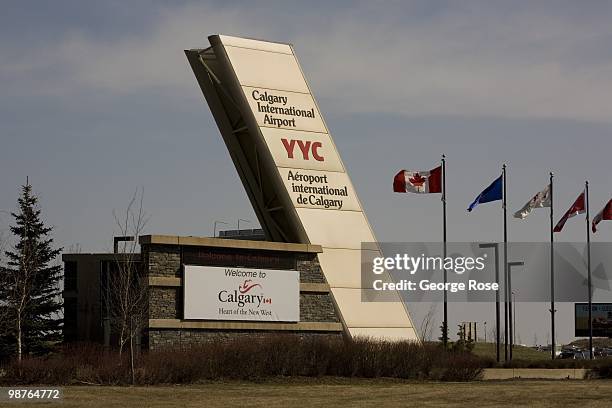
{"type": "Point", "coordinates": [518, 352]}
{"type": "Point", "coordinates": [332, 392]}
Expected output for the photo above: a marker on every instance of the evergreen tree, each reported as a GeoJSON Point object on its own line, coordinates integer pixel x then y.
{"type": "Point", "coordinates": [29, 283]}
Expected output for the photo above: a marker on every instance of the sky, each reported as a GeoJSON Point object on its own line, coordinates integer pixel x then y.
{"type": "Point", "coordinates": [98, 100]}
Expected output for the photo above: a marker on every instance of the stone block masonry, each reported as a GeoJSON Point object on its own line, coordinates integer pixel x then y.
{"type": "Point", "coordinates": [163, 260]}
{"type": "Point", "coordinates": [160, 339]}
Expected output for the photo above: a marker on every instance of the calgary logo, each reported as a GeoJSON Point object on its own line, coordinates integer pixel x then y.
{"type": "Point", "coordinates": [246, 286]}
{"type": "Point", "coordinates": [241, 296]}
{"type": "Point", "coordinates": [417, 180]}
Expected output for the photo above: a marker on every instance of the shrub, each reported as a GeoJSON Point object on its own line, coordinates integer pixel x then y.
{"type": "Point", "coordinates": [602, 370]}
{"type": "Point", "coordinates": [250, 359]}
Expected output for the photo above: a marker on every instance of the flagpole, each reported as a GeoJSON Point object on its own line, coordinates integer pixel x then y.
{"type": "Point", "coordinates": [552, 270]}
{"type": "Point", "coordinates": [588, 231]}
{"type": "Point", "coordinates": [505, 266]}
{"type": "Point", "coordinates": [445, 323]}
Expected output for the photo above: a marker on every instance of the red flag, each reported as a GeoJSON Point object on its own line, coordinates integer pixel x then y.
{"type": "Point", "coordinates": [577, 208]}
{"type": "Point", "coordinates": [604, 214]}
{"type": "Point", "coordinates": [418, 181]}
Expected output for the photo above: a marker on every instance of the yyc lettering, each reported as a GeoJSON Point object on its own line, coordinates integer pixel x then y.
{"type": "Point", "coordinates": [307, 148]}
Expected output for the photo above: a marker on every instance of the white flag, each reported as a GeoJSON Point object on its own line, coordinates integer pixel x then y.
{"type": "Point", "coordinates": [540, 200]}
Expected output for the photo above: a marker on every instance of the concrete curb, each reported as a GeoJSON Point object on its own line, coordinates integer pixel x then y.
{"type": "Point", "coordinates": [535, 373]}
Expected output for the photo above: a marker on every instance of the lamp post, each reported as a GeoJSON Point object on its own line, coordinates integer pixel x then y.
{"type": "Point", "coordinates": [495, 246]}
{"type": "Point", "coordinates": [514, 317]}
{"type": "Point", "coordinates": [215, 227]}
{"type": "Point", "coordinates": [510, 265]}
{"type": "Point", "coordinates": [485, 330]}
{"type": "Point", "coordinates": [243, 220]}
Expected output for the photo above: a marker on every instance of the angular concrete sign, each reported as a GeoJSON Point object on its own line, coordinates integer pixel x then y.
{"type": "Point", "coordinates": [292, 171]}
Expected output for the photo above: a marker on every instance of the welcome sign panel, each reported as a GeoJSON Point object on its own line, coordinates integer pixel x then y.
{"type": "Point", "coordinates": [227, 293]}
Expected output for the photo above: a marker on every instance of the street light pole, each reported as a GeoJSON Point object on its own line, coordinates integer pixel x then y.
{"type": "Point", "coordinates": [215, 227]}
{"type": "Point", "coordinates": [510, 319]}
{"type": "Point", "coordinates": [514, 318]}
{"type": "Point", "coordinates": [243, 220]}
{"type": "Point", "coordinates": [495, 246]}
{"type": "Point", "coordinates": [485, 330]}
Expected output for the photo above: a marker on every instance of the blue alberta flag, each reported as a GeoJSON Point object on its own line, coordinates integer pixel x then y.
{"type": "Point", "coordinates": [491, 193]}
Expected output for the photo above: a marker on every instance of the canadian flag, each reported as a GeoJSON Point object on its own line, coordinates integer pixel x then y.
{"type": "Point", "coordinates": [577, 208]}
{"type": "Point", "coordinates": [604, 214]}
{"type": "Point", "coordinates": [418, 181]}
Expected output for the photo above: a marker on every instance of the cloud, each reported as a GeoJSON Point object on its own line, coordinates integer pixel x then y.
{"type": "Point", "coordinates": [474, 60]}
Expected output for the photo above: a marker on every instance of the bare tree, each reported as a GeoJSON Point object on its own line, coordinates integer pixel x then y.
{"type": "Point", "coordinates": [74, 249]}
{"type": "Point", "coordinates": [493, 335]}
{"type": "Point", "coordinates": [128, 297]}
{"type": "Point", "coordinates": [19, 297]}
{"type": "Point", "coordinates": [426, 325]}
{"type": "Point", "coordinates": [5, 326]}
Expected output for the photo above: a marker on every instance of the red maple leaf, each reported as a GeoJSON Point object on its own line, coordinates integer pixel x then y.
{"type": "Point", "coordinates": [417, 180]}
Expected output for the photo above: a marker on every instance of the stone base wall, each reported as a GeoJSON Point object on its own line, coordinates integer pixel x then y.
{"type": "Point", "coordinates": [317, 307]}
{"type": "Point", "coordinates": [162, 260]}
{"type": "Point", "coordinates": [310, 269]}
{"type": "Point", "coordinates": [165, 302]}
{"type": "Point", "coordinates": [170, 338]}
